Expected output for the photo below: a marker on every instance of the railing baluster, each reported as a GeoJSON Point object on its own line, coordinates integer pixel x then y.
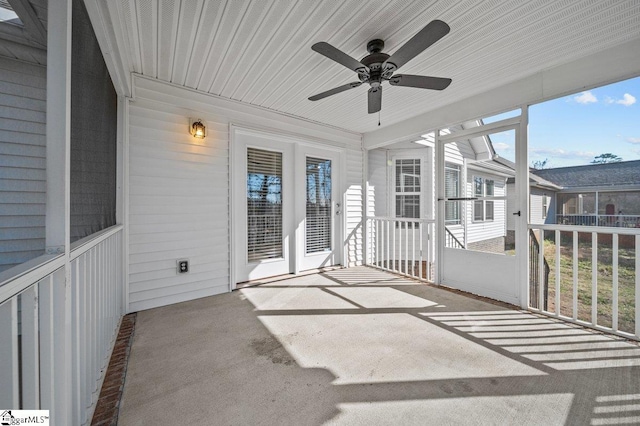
{"type": "Point", "coordinates": [406, 247]}
{"type": "Point", "coordinates": [558, 243]}
{"type": "Point", "coordinates": [398, 263]}
{"type": "Point", "coordinates": [575, 275]}
{"type": "Point", "coordinates": [541, 274]}
{"type": "Point", "coordinates": [394, 248]}
{"type": "Point", "coordinates": [413, 249]}
{"type": "Point", "coordinates": [614, 284]}
{"type": "Point", "coordinates": [637, 288]}
{"type": "Point", "coordinates": [594, 278]}
{"type": "Point", "coordinates": [30, 349]}
{"type": "Point", "coordinates": [388, 244]}
{"type": "Point", "coordinates": [420, 249]}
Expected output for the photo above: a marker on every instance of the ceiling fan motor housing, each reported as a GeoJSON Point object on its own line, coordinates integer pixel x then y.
{"type": "Point", "coordinates": [374, 62]}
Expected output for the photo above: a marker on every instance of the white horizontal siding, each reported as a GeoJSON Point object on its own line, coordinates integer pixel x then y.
{"type": "Point", "coordinates": [22, 161]}
{"type": "Point", "coordinates": [354, 207]}
{"type": "Point", "coordinates": [378, 191]}
{"type": "Point", "coordinates": [179, 190]}
{"type": "Point", "coordinates": [480, 231]}
{"type": "Point", "coordinates": [178, 207]}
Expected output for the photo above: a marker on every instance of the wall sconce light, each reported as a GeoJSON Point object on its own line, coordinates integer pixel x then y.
{"type": "Point", "coordinates": [197, 129]}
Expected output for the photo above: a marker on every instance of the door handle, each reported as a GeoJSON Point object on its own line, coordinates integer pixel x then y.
{"type": "Point", "coordinates": [516, 213]}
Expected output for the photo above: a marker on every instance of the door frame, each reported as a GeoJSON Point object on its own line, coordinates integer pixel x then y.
{"type": "Point", "coordinates": [519, 124]}
{"type": "Point", "coordinates": [236, 193]}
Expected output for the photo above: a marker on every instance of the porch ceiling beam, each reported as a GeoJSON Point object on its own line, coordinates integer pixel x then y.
{"type": "Point", "coordinates": [582, 74]}
{"type": "Point", "coordinates": [473, 132]}
{"type": "Point", "coordinates": [32, 24]}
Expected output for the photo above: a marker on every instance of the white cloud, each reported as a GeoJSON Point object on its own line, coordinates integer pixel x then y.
{"type": "Point", "coordinates": [633, 140]}
{"type": "Point", "coordinates": [501, 146]}
{"type": "Point", "coordinates": [585, 98]}
{"type": "Point", "coordinates": [561, 153]}
{"type": "Point", "coordinates": [627, 100]}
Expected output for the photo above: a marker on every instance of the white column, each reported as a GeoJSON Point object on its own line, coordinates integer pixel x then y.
{"type": "Point", "coordinates": [522, 203]}
{"type": "Point", "coordinates": [58, 204]}
{"type": "Point", "coordinates": [439, 211]}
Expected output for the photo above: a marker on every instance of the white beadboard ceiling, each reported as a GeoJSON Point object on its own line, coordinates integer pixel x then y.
{"type": "Point", "coordinates": [259, 51]}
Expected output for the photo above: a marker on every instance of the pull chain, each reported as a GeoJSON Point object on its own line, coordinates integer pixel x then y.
{"type": "Point", "coordinates": [378, 118]}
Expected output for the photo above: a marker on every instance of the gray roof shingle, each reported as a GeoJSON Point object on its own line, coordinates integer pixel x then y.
{"type": "Point", "coordinates": [610, 174]}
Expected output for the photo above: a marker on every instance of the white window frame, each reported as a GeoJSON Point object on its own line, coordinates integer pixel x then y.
{"type": "Point", "coordinates": [459, 168]}
{"type": "Point", "coordinates": [394, 192]}
{"type": "Point", "coordinates": [483, 193]}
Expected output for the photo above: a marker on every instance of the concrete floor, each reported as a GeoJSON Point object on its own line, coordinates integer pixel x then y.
{"type": "Point", "coordinates": [360, 346]}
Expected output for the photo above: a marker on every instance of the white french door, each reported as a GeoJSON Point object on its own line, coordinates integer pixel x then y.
{"type": "Point", "coordinates": [318, 207]}
{"type": "Point", "coordinates": [286, 206]}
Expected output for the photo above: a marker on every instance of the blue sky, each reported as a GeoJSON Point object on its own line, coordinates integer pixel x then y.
{"type": "Point", "coordinates": [574, 129]}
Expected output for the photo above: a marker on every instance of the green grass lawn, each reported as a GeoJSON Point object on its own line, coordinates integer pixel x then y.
{"type": "Point", "coordinates": [626, 284]}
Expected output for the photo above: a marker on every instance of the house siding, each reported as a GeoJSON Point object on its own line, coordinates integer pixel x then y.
{"type": "Point", "coordinates": [491, 229]}
{"type": "Point", "coordinates": [378, 193]}
{"type": "Point", "coordinates": [22, 161]}
{"type": "Point", "coordinates": [179, 191]}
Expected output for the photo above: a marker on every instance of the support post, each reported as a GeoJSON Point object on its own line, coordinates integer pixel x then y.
{"type": "Point", "coordinates": [57, 232]}
{"type": "Point", "coordinates": [522, 202]}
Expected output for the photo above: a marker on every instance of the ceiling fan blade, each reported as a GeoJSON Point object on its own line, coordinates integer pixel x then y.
{"type": "Point", "coordinates": [375, 99]}
{"type": "Point", "coordinates": [335, 90]}
{"type": "Point", "coordinates": [420, 81]}
{"type": "Point", "coordinates": [433, 32]}
{"type": "Point", "coordinates": [340, 57]}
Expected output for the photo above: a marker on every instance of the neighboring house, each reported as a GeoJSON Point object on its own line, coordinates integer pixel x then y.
{"type": "Point", "coordinates": [401, 185]}
{"type": "Point", "coordinates": [596, 194]}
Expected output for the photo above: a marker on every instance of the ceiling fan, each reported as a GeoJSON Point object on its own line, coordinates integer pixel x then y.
{"type": "Point", "coordinates": [378, 67]}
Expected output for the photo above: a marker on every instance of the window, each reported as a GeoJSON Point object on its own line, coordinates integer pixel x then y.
{"type": "Point", "coordinates": [451, 190]}
{"type": "Point", "coordinates": [264, 204]}
{"type": "Point", "coordinates": [318, 223]}
{"type": "Point", "coordinates": [483, 210]}
{"type": "Point", "coordinates": [407, 183]}
{"type": "Point", "coordinates": [545, 206]}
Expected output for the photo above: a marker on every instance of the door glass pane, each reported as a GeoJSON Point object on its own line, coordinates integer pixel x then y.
{"type": "Point", "coordinates": [318, 215]}
{"type": "Point", "coordinates": [264, 204]}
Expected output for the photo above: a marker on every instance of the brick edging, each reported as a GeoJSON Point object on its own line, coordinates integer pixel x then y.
{"type": "Point", "coordinates": [108, 404]}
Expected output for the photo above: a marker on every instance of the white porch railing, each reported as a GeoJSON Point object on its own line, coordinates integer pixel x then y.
{"type": "Point", "coordinates": [57, 334]}
{"type": "Point", "coordinates": [617, 220]}
{"type": "Point", "coordinates": [594, 276]}
{"type": "Point", "coordinates": [403, 246]}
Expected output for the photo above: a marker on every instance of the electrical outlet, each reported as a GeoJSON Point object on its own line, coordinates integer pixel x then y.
{"type": "Point", "coordinates": [183, 266]}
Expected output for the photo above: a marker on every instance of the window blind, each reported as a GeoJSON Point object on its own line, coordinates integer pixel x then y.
{"type": "Point", "coordinates": [318, 214]}
{"type": "Point", "coordinates": [264, 204]}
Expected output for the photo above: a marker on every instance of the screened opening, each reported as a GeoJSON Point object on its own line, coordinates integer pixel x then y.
{"type": "Point", "coordinates": [318, 210]}
{"type": "Point", "coordinates": [94, 109]}
{"type": "Point", "coordinates": [264, 205]}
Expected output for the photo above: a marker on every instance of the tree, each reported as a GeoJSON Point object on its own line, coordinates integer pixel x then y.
{"type": "Point", "coordinates": [606, 158]}
{"type": "Point", "coordinates": [540, 164]}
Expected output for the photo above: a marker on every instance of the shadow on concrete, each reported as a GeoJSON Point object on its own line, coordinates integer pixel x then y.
{"type": "Point", "coordinates": [361, 346]}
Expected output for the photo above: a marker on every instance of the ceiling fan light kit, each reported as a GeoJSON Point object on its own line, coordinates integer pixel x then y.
{"type": "Point", "coordinates": [378, 67]}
